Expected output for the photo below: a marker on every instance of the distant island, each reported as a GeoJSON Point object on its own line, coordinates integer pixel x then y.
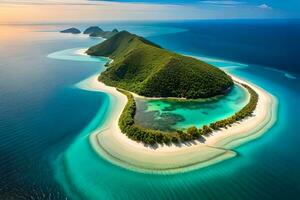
{"type": "Point", "coordinates": [92, 31]}
{"type": "Point", "coordinates": [71, 30]}
{"type": "Point", "coordinates": [95, 31]}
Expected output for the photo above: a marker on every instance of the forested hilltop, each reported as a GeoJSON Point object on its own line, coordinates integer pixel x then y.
{"type": "Point", "coordinates": [147, 69]}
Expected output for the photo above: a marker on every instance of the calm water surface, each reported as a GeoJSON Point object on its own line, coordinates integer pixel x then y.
{"type": "Point", "coordinates": [170, 115]}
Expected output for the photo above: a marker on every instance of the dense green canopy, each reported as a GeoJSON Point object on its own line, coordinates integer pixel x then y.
{"type": "Point", "coordinates": [147, 69]}
{"type": "Point", "coordinates": [150, 136]}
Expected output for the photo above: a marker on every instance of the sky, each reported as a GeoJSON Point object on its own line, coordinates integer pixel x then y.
{"type": "Point", "coordinates": [30, 11]}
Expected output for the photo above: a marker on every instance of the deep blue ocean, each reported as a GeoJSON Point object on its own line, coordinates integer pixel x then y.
{"type": "Point", "coordinates": [42, 114]}
{"type": "Point", "coordinates": [273, 43]}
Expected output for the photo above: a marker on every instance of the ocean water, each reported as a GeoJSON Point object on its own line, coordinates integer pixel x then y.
{"type": "Point", "coordinates": [45, 122]}
{"type": "Point", "coordinates": [172, 114]}
{"type": "Point", "coordinates": [271, 43]}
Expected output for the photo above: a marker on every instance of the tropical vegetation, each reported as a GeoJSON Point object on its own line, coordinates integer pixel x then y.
{"type": "Point", "coordinates": [147, 69]}
{"type": "Point", "coordinates": [150, 136]}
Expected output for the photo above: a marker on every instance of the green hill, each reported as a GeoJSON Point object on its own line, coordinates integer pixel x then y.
{"type": "Point", "coordinates": [92, 29]}
{"type": "Point", "coordinates": [147, 69]}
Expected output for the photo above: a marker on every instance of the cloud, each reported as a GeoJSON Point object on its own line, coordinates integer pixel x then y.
{"type": "Point", "coordinates": [265, 6]}
{"type": "Point", "coordinates": [222, 2]}
{"type": "Point", "coordinates": [31, 11]}
{"type": "Point", "coordinates": [12, 11]}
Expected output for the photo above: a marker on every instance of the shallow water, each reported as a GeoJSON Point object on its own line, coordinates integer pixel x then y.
{"type": "Point", "coordinates": [45, 121]}
{"type": "Point", "coordinates": [172, 114]}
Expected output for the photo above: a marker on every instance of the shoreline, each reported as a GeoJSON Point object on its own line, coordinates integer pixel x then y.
{"type": "Point", "coordinates": [81, 52]}
{"type": "Point", "coordinates": [114, 146]}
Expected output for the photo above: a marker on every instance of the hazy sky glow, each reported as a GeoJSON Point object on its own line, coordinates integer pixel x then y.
{"type": "Point", "coordinates": [27, 11]}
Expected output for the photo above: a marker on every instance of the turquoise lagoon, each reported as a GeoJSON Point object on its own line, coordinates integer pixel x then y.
{"type": "Point", "coordinates": [46, 120]}
{"type": "Point", "coordinates": [170, 114]}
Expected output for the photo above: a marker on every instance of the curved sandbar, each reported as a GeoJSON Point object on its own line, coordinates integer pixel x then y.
{"type": "Point", "coordinates": [117, 148]}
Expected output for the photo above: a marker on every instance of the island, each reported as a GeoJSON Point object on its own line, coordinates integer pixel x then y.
{"type": "Point", "coordinates": [71, 30]}
{"type": "Point", "coordinates": [92, 29]}
{"type": "Point", "coordinates": [145, 68]}
{"type": "Point", "coordinates": [138, 67]}
{"type": "Point", "coordinates": [103, 34]}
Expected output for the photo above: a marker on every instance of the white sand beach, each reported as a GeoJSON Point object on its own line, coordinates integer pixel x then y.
{"type": "Point", "coordinates": [81, 52]}
{"type": "Point", "coordinates": [116, 147]}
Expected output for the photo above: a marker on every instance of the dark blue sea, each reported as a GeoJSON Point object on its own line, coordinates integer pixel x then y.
{"type": "Point", "coordinates": [42, 113]}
